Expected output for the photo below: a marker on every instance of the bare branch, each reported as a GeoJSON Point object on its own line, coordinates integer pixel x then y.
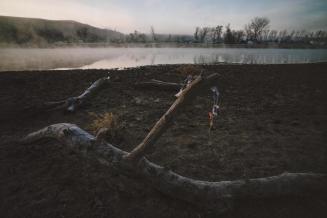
{"type": "Point", "coordinates": [72, 103]}
{"type": "Point", "coordinates": [163, 123]}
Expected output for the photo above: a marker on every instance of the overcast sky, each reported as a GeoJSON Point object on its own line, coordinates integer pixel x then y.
{"type": "Point", "coordinates": [173, 16]}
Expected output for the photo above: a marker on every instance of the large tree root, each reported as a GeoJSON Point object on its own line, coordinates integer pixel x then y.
{"type": "Point", "coordinates": [217, 195]}
{"type": "Point", "coordinates": [72, 103]}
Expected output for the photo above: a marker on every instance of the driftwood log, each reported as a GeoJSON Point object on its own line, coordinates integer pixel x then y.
{"type": "Point", "coordinates": [158, 84]}
{"type": "Point", "coordinates": [218, 196]}
{"type": "Point", "coordinates": [72, 103]}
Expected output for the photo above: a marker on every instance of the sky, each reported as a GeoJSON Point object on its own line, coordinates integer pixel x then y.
{"type": "Point", "coordinates": [173, 16]}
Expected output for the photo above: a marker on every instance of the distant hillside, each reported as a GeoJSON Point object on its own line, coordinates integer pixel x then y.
{"type": "Point", "coordinates": [15, 30]}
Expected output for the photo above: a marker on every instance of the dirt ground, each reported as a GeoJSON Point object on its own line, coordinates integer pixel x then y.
{"type": "Point", "coordinates": [273, 119]}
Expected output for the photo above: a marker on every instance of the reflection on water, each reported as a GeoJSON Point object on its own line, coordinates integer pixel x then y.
{"type": "Point", "coordinates": [88, 58]}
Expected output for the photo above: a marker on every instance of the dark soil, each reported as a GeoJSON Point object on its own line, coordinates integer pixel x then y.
{"type": "Point", "coordinates": [273, 119]}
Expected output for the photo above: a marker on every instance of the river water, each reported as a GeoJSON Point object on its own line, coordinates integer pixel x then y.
{"type": "Point", "coordinates": [107, 58]}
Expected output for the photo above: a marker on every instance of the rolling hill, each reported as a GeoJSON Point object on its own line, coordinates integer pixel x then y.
{"type": "Point", "coordinates": [32, 31]}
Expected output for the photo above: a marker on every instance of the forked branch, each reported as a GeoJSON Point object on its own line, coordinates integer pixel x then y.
{"type": "Point", "coordinates": [72, 103]}
{"type": "Point", "coordinates": [163, 123]}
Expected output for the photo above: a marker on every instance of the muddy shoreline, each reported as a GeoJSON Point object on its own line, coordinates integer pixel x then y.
{"type": "Point", "coordinates": [273, 119]}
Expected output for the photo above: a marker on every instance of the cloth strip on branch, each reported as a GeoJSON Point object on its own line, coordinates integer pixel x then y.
{"type": "Point", "coordinates": [215, 107]}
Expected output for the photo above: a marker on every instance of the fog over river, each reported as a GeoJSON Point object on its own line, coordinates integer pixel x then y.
{"type": "Point", "coordinates": [106, 58]}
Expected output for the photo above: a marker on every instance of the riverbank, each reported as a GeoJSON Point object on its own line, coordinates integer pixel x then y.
{"type": "Point", "coordinates": [273, 119]}
{"type": "Point", "coordinates": [168, 45]}
{"type": "Point", "coordinates": [110, 58]}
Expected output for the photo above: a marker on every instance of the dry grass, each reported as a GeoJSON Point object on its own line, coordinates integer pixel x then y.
{"type": "Point", "coordinates": [115, 127]}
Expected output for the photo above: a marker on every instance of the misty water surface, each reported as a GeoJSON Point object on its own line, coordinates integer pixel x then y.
{"type": "Point", "coordinates": [100, 58]}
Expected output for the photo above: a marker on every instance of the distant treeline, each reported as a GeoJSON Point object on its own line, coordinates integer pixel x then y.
{"type": "Point", "coordinates": [40, 32]}
{"type": "Point", "coordinates": [257, 31]}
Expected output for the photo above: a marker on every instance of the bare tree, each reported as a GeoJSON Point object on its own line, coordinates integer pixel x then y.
{"type": "Point", "coordinates": [282, 35]}
{"type": "Point", "coordinates": [265, 35]}
{"type": "Point", "coordinates": [153, 34]}
{"type": "Point", "coordinates": [203, 33]}
{"type": "Point", "coordinates": [217, 34]}
{"type": "Point", "coordinates": [256, 27]}
{"type": "Point", "coordinates": [196, 34]}
{"type": "Point", "coordinates": [272, 36]}
{"type": "Point", "coordinates": [238, 35]}
{"type": "Point", "coordinates": [228, 37]}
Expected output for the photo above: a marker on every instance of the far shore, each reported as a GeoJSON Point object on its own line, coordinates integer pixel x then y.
{"type": "Point", "coordinates": [166, 44]}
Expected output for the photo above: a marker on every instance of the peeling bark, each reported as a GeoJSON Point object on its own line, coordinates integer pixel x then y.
{"type": "Point", "coordinates": [72, 103]}
{"type": "Point", "coordinates": [218, 196]}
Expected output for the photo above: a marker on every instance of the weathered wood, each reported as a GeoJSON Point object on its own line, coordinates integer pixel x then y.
{"type": "Point", "coordinates": [157, 84]}
{"type": "Point", "coordinates": [216, 195]}
{"type": "Point", "coordinates": [72, 103]}
{"type": "Point", "coordinates": [158, 129]}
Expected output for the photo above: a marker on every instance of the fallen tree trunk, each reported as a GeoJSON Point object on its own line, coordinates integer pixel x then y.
{"type": "Point", "coordinates": [72, 103]}
{"type": "Point", "coordinates": [157, 84]}
{"type": "Point", "coordinates": [216, 195]}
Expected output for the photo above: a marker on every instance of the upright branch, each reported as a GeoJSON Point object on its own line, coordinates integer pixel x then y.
{"type": "Point", "coordinates": [163, 123]}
